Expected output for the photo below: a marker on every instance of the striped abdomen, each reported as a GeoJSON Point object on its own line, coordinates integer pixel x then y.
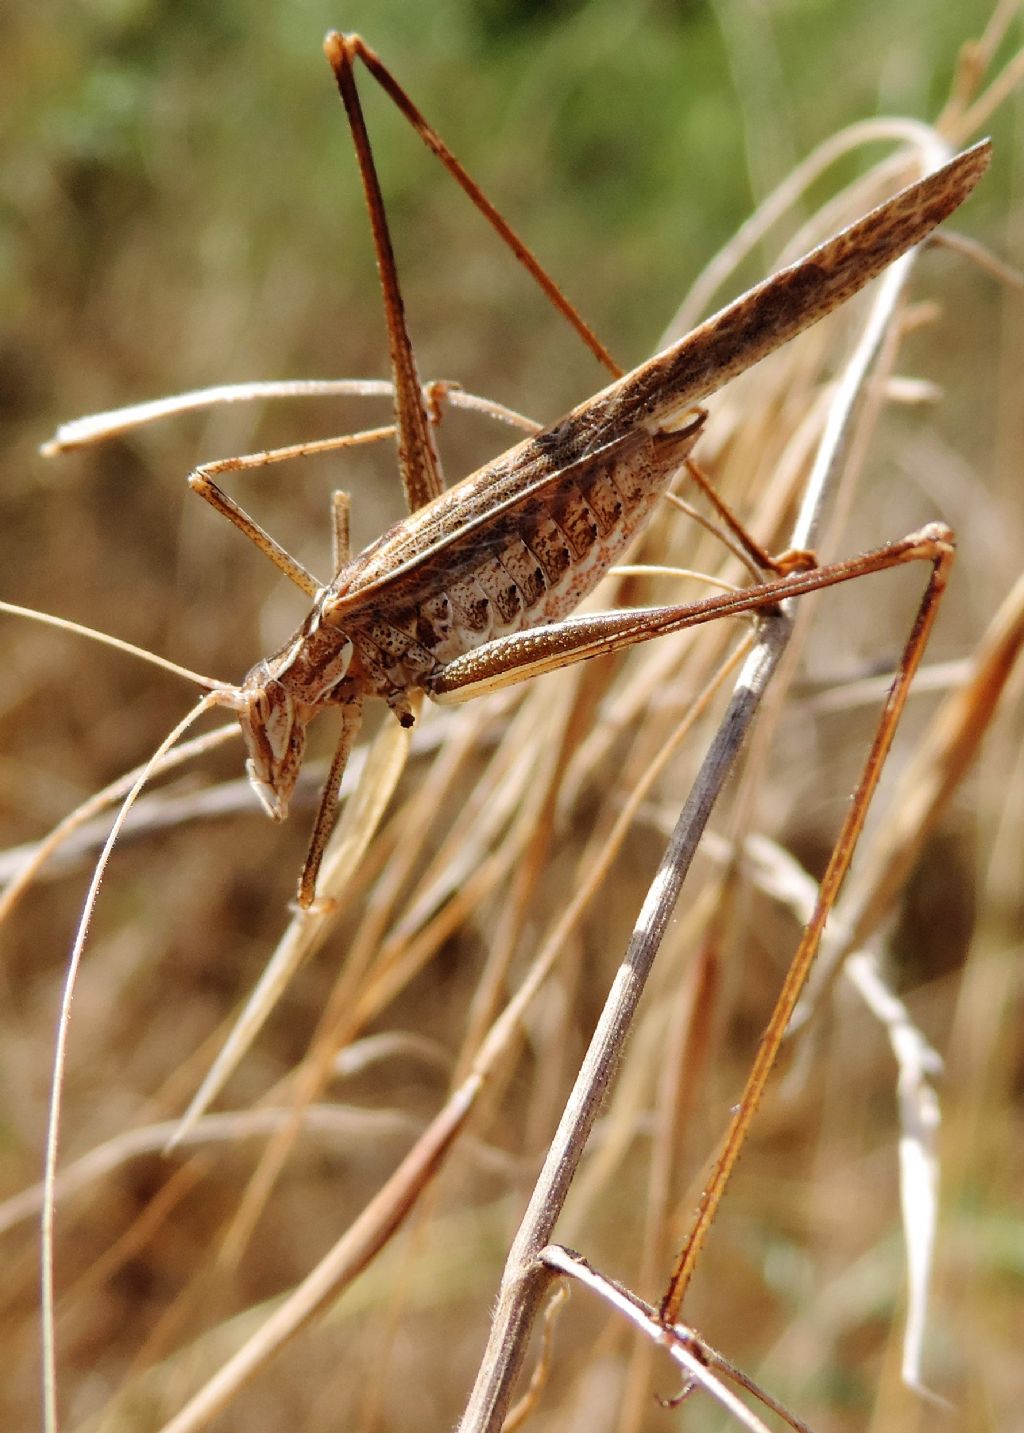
{"type": "Point", "coordinates": [531, 564]}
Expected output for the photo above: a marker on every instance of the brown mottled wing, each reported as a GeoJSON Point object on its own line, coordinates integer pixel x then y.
{"type": "Point", "coordinates": [734, 339]}
{"type": "Point", "coordinates": [791, 300]}
{"type": "Point", "coordinates": [463, 514]}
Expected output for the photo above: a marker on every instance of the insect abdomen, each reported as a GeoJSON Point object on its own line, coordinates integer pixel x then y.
{"type": "Point", "coordinates": [533, 565]}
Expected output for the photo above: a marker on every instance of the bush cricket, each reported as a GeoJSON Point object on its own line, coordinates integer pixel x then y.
{"type": "Point", "coordinates": [474, 589]}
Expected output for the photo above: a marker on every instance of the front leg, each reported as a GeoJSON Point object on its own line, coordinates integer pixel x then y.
{"type": "Point", "coordinates": [327, 809]}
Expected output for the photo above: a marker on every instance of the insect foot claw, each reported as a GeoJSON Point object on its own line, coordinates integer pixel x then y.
{"type": "Point", "coordinates": [795, 559]}
{"type": "Point", "coordinates": [434, 394]}
{"type": "Point", "coordinates": [935, 535]}
{"type": "Point", "coordinates": [318, 906]}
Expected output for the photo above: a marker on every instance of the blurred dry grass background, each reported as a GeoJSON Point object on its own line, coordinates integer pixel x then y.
{"type": "Point", "coordinates": [180, 208]}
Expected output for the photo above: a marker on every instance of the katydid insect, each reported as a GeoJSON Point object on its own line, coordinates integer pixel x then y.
{"type": "Point", "coordinates": [474, 589]}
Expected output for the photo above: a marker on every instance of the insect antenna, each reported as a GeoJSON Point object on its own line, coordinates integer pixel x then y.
{"type": "Point", "coordinates": [105, 639]}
